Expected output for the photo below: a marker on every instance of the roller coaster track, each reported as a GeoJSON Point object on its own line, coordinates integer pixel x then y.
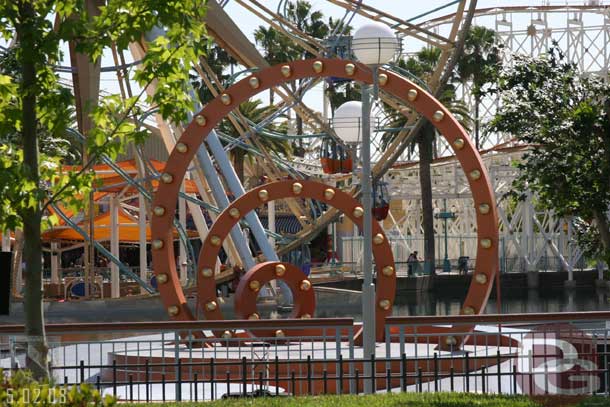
{"type": "Point", "coordinates": [404, 137]}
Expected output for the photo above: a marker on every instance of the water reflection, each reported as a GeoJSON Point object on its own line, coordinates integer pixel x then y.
{"type": "Point", "coordinates": [548, 300]}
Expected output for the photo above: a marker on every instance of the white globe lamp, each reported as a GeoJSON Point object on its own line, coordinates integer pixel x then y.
{"type": "Point", "coordinates": [347, 122]}
{"type": "Point", "coordinates": [374, 44]}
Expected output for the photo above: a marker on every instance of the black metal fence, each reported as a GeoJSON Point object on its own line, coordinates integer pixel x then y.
{"type": "Point", "coordinates": [538, 354]}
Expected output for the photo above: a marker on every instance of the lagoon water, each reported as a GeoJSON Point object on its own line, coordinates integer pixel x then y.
{"type": "Point", "coordinates": [544, 300]}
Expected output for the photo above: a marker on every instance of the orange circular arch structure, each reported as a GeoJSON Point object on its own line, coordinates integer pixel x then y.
{"type": "Point", "coordinates": [262, 273]}
{"type": "Point", "coordinates": [425, 104]}
{"type": "Point", "coordinates": [382, 252]}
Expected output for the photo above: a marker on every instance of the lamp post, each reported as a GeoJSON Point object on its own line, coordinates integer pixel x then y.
{"type": "Point", "coordinates": [373, 44]}
{"type": "Point", "coordinates": [444, 215]}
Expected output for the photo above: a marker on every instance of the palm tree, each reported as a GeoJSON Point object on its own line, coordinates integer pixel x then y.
{"type": "Point", "coordinates": [422, 66]}
{"type": "Point", "coordinates": [307, 20]}
{"type": "Point", "coordinates": [479, 64]}
{"type": "Point", "coordinates": [277, 48]}
{"type": "Point", "coordinates": [254, 112]}
{"type": "Point", "coordinates": [218, 59]}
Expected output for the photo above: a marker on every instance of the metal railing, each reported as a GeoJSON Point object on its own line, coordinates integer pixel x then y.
{"type": "Point", "coordinates": [458, 247]}
{"type": "Point", "coordinates": [565, 353]}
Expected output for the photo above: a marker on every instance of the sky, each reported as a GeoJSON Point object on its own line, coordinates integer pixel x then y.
{"type": "Point", "coordinates": [403, 9]}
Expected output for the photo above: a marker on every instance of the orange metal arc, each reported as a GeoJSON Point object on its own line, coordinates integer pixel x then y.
{"type": "Point", "coordinates": [261, 274]}
{"type": "Point", "coordinates": [400, 87]}
{"type": "Point", "coordinates": [382, 252]}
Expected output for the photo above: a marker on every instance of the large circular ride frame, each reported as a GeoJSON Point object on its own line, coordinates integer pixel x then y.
{"type": "Point", "coordinates": [166, 197]}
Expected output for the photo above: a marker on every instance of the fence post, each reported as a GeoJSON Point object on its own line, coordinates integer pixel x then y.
{"type": "Point", "coordinates": [467, 372]}
{"type": "Point", "coordinates": [309, 389]}
{"type": "Point", "coordinates": [82, 371]}
{"type": "Point", "coordinates": [243, 376]}
{"type": "Point", "coordinates": [114, 377]}
{"type": "Point", "coordinates": [403, 372]}
{"type": "Point", "coordinates": [498, 361]}
{"type": "Point", "coordinates": [147, 379]}
{"type": "Point", "coordinates": [131, 388]}
{"type": "Point", "coordinates": [351, 358]}
{"type": "Point", "coordinates": [373, 373]}
{"type": "Point", "coordinates": [325, 379]}
{"type": "Point", "coordinates": [178, 366]}
{"type": "Point", "coordinates": [388, 379]}
{"type": "Point", "coordinates": [212, 378]}
{"type": "Point", "coordinates": [277, 375]}
{"type": "Point", "coordinates": [435, 372]}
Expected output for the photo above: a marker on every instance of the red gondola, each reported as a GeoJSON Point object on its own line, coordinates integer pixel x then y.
{"type": "Point", "coordinates": [381, 200]}
{"type": "Point", "coordinates": [335, 158]}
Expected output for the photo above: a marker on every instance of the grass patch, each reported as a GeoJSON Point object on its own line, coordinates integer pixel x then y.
{"type": "Point", "coordinates": [595, 402]}
{"type": "Point", "coordinates": [379, 400]}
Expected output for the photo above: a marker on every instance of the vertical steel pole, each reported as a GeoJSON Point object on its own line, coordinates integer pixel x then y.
{"type": "Point", "coordinates": [368, 288]}
{"type": "Point", "coordinates": [183, 256]}
{"type": "Point", "coordinates": [142, 239]}
{"type": "Point", "coordinates": [115, 281]}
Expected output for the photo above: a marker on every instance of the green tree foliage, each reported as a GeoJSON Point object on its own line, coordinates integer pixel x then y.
{"type": "Point", "coordinates": [565, 117]}
{"type": "Point", "coordinates": [218, 59]}
{"type": "Point", "coordinates": [278, 47]}
{"type": "Point", "coordinates": [34, 107]}
{"type": "Point", "coordinates": [20, 389]}
{"type": "Point", "coordinates": [479, 64]}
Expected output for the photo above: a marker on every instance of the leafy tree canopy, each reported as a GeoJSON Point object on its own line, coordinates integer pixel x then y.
{"type": "Point", "coordinates": [38, 29]}
{"type": "Point", "coordinates": [564, 116]}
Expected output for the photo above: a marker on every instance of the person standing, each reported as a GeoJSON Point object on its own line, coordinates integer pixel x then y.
{"type": "Point", "coordinates": [412, 263]}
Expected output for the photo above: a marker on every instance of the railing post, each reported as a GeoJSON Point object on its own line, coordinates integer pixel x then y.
{"type": "Point", "coordinates": [325, 380]}
{"type": "Point", "coordinates": [373, 373]}
{"type": "Point", "coordinates": [82, 371]}
{"type": "Point", "coordinates": [260, 382]}
{"type": "Point", "coordinates": [179, 380]}
{"type": "Point", "coordinates": [451, 377]}
{"type": "Point", "coordinates": [403, 372]}
{"type": "Point", "coordinates": [114, 377]}
{"type": "Point", "coordinates": [514, 379]}
{"type": "Point", "coordinates": [351, 358]}
{"type": "Point", "coordinates": [498, 361]}
{"type": "Point", "coordinates": [131, 388]}
{"type": "Point", "coordinates": [309, 389]}
{"type": "Point", "coordinates": [388, 380]}
{"type": "Point", "coordinates": [467, 372]}
{"type": "Point", "coordinates": [178, 365]}
{"type": "Point", "coordinates": [212, 378]}
{"type": "Point", "coordinates": [147, 379]}
{"type": "Point", "coordinates": [340, 375]}
{"type": "Point", "coordinates": [435, 372]}
{"type": "Point", "coordinates": [243, 376]}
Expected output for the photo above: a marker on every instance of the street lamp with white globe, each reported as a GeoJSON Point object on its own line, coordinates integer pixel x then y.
{"type": "Point", "coordinates": [373, 44]}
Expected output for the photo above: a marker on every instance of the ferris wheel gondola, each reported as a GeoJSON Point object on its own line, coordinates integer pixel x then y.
{"type": "Point", "coordinates": [334, 157]}
{"type": "Point", "coordinates": [381, 200]}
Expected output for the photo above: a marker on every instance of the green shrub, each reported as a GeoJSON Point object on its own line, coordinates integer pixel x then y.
{"type": "Point", "coordinates": [21, 389]}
